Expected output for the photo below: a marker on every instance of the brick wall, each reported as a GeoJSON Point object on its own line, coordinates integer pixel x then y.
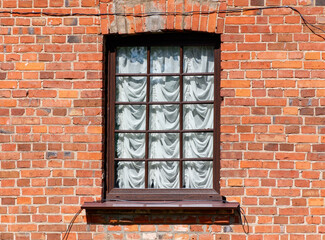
{"type": "Point", "coordinates": [273, 124]}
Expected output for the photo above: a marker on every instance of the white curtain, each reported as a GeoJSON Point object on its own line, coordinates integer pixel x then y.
{"type": "Point", "coordinates": [164, 59]}
{"type": "Point", "coordinates": [198, 59]}
{"type": "Point", "coordinates": [164, 145]}
{"type": "Point", "coordinates": [164, 174]}
{"type": "Point", "coordinates": [130, 145]}
{"type": "Point", "coordinates": [164, 89]}
{"type": "Point", "coordinates": [198, 88]}
{"type": "Point", "coordinates": [130, 117]}
{"type": "Point", "coordinates": [198, 145]}
{"type": "Point", "coordinates": [131, 174]}
{"type": "Point", "coordinates": [131, 60]}
{"type": "Point", "coordinates": [164, 117]}
{"type": "Point", "coordinates": [198, 116]}
{"type": "Point", "coordinates": [131, 89]}
{"type": "Point", "coordinates": [198, 174]}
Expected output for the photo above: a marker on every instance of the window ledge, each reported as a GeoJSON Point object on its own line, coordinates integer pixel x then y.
{"type": "Point", "coordinates": [161, 205]}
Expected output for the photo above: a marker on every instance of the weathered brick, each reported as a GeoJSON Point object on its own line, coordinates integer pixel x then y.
{"type": "Point", "coordinates": [52, 115]}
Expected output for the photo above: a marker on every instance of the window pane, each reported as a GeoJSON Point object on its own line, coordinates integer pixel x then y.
{"type": "Point", "coordinates": [198, 145]}
{"type": "Point", "coordinates": [130, 117]}
{"type": "Point", "coordinates": [130, 174]}
{"type": "Point", "coordinates": [164, 60]}
{"type": "Point", "coordinates": [164, 88]}
{"type": "Point", "coordinates": [131, 89]}
{"type": "Point", "coordinates": [198, 88]}
{"type": "Point", "coordinates": [164, 145]}
{"type": "Point", "coordinates": [198, 116]}
{"type": "Point", "coordinates": [164, 174]}
{"type": "Point", "coordinates": [131, 60]}
{"type": "Point", "coordinates": [198, 59]}
{"type": "Point", "coordinates": [164, 117]}
{"type": "Point", "coordinates": [129, 145]}
{"type": "Point", "coordinates": [197, 174]}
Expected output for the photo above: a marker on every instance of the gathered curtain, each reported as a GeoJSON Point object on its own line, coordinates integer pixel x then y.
{"type": "Point", "coordinates": [164, 174]}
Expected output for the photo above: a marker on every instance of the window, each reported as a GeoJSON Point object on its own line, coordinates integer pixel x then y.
{"type": "Point", "coordinates": [163, 107]}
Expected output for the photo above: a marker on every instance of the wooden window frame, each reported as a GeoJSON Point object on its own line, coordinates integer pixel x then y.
{"type": "Point", "coordinates": [148, 194]}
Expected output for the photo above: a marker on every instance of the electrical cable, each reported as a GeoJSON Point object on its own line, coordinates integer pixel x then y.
{"type": "Point", "coordinates": [66, 235]}
{"type": "Point", "coordinates": [241, 213]}
{"type": "Point", "coordinates": [189, 13]}
{"type": "Point", "coordinates": [307, 23]}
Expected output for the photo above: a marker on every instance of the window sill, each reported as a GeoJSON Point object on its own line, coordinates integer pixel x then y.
{"type": "Point", "coordinates": [162, 205]}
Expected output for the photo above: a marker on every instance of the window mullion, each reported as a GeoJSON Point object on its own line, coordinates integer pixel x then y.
{"type": "Point", "coordinates": [181, 119]}
{"type": "Point", "coordinates": [147, 120]}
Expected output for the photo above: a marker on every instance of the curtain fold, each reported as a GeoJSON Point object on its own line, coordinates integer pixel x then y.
{"type": "Point", "coordinates": [198, 59]}
{"type": "Point", "coordinates": [130, 145]}
{"type": "Point", "coordinates": [131, 89]}
{"type": "Point", "coordinates": [198, 174]}
{"type": "Point", "coordinates": [164, 117]}
{"type": "Point", "coordinates": [198, 116]}
{"type": "Point", "coordinates": [130, 174]}
{"type": "Point", "coordinates": [164, 174]}
{"type": "Point", "coordinates": [164, 88]}
{"type": "Point", "coordinates": [198, 88]}
{"type": "Point", "coordinates": [164, 145]}
{"type": "Point", "coordinates": [130, 117]}
{"type": "Point", "coordinates": [198, 145]}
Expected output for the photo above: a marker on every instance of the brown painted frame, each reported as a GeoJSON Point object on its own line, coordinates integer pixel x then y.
{"type": "Point", "coordinates": [165, 39]}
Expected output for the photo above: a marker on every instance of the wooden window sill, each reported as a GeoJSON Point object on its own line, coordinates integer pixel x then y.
{"type": "Point", "coordinates": [163, 205]}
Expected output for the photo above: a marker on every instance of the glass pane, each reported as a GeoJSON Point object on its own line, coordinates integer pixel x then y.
{"type": "Point", "coordinates": [131, 60]}
{"type": "Point", "coordinates": [198, 88]}
{"type": "Point", "coordinates": [164, 145]}
{"type": "Point", "coordinates": [129, 145]}
{"type": "Point", "coordinates": [130, 117]}
{"type": "Point", "coordinates": [164, 117]}
{"type": "Point", "coordinates": [197, 174]}
{"type": "Point", "coordinates": [164, 60]}
{"type": "Point", "coordinates": [164, 88]}
{"type": "Point", "coordinates": [198, 145]}
{"type": "Point", "coordinates": [131, 89]}
{"type": "Point", "coordinates": [164, 174]}
{"type": "Point", "coordinates": [130, 174]}
{"type": "Point", "coordinates": [198, 59]}
{"type": "Point", "coordinates": [198, 116]}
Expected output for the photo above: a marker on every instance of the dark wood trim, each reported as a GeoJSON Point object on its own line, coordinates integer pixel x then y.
{"type": "Point", "coordinates": [163, 159]}
{"type": "Point", "coordinates": [105, 118]}
{"type": "Point", "coordinates": [182, 39]}
{"type": "Point", "coordinates": [165, 131]}
{"type": "Point", "coordinates": [189, 205]}
{"type": "Point", "coordinates": [181, 114]}
{"type": "Point", "coordinates": [147, 121]}
{"type": "Point", "coordinates": [217, 112]}
{"type": "Point", "coordinates": [175, 194]}
{"type": "Point", "coordinates": [163, 74]}
{"type": "Point", "coordinates": [165, 39]}
{"type": "Point", "coordinates": [111, 109]}
{"type": "Point", "coordinates": [164, 103]}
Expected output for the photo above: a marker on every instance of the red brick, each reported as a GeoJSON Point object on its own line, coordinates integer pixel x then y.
{"type": "Point", "coordinates": [30, 66]}
{"type": "Point", "coordinates": [272, 102]}
{"type": "Point", "coordinates": [272, 82]}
